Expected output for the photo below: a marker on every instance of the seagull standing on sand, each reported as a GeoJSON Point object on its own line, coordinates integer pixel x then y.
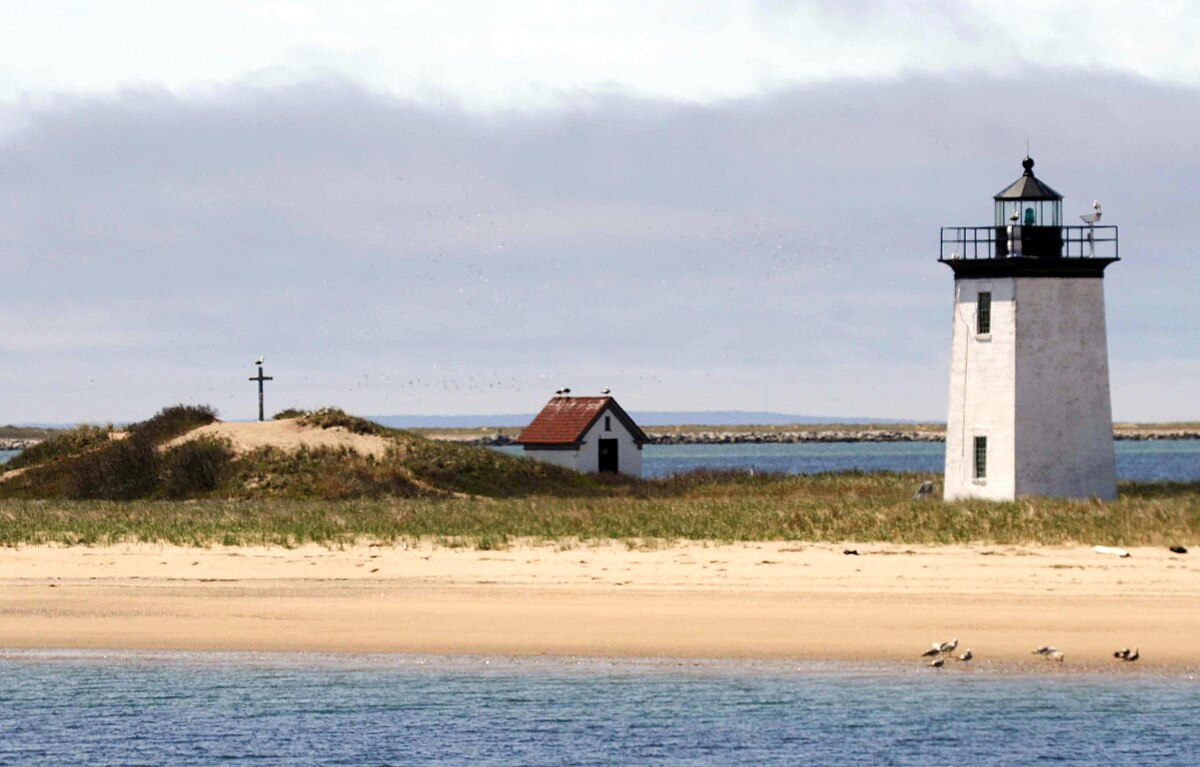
{"type": "Point", "coordinates": [948, 647]}
{"type": "Point", "coordinates": [932, 651]}
{"type": "Point", "coordinates": [1045, 650]}
{"type": "Point", "coordinates": [966, 656]}
{"type": "Point", "coordinates": [1127, 655]}
{"type": "Point", "coordinates": [937, 663]}
{"type": "Point", "coordinates": [1057, 655]}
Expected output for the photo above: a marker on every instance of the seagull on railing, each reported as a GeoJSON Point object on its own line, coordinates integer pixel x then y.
{"type": "Point", "coordinates": [1094, 216]}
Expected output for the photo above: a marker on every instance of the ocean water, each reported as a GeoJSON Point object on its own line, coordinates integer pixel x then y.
{"type": "Point", "coordinates": [207, 709]}
{"type": "Point", "coordinates": [1158, 460]}
{"type": "Point", "coordinates": [1155, 460]}
{"type": "Point", "coordinates": [7, 455]}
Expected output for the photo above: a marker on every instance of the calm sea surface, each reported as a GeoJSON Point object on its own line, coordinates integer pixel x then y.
{"type": "Point", "coordinates": [204, 709]}
{"type": "Point", "coordinates": [1173, 460]}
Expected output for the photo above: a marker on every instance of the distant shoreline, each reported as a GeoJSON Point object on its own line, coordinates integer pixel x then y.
{"type": "Point", "coordinates": [486, 436]}
{"type": "Point", "coordinates": [782, 436]}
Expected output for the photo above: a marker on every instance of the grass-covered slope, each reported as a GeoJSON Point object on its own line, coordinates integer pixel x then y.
{"type": "Point", "coordinates": [65, 444]}
{"type": "Point", "coordinates": [417, 488]}
{"type": "Point", "coordinates": [98, 463]}
{"type": "Point", "coordinates": [722, 507]}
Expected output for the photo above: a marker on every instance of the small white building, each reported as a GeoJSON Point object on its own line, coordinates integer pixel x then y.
{"type": "Point", "coordinates": [588, 434]}
{"type": "Point", "coordinates": [1029, 407]}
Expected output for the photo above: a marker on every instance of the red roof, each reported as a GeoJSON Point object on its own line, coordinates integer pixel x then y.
{"type": "Point", "coordinates": [564, 421]}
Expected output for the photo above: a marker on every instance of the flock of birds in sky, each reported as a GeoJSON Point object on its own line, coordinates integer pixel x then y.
{"type": "Point", "coordinates": [939, 651]}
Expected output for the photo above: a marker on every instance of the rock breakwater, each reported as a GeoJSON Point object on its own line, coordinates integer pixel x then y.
{"type": "Point", "coordinates": [17, 444]}
{"type": "Point", "coordinates": [791, 437]}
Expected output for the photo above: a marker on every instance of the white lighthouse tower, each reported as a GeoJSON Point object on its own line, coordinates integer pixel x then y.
{"type": "Point", "coordinates": [1030, 412]}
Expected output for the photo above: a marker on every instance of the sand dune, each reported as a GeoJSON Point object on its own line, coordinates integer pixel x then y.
{"type": "Point", "coordinates": [287, 434]}
{"type": "Point", "coordinates": [762, 600]}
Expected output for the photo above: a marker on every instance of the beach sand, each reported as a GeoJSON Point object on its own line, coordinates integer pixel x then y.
{"type": "Point", "coordinates": [754, 600]}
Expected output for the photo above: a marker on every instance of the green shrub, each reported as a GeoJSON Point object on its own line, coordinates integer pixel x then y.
{"type": "Point", "coordinates": [119, 471]}
{"type": "Point", "coordinates": [326, 473]}
{"type": "Point", "coordinates": [195, 467]}
{"type": "Point", "coordinates": [172, 421]}
{"type": "Point", "coordinates": [329, 417]}
{"type": "Point", "coordinates": [480, 471]}
{"type": "Point", "coordinates": [289, 412]}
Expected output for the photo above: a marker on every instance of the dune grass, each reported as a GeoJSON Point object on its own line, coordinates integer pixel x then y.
{"type": "Point", "coordinates": [86, 488]}
{"type": "Point", "coordinates": [86, 464]}
{"type": "Point", "coordinates": [64, 444]}
{"type": "Point", "coordinates": [822, 508]}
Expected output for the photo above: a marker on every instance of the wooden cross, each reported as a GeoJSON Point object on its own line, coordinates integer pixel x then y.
{"type": "Point", "coordinates": [260, 378]}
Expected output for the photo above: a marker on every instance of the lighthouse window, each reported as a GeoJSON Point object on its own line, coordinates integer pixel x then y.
{"type": "Point", "coordinates": [983, 314]}
{"type": "Point", "coordinates": [608, 423]}
{"type": "Point", "coordinates": [980, 457]}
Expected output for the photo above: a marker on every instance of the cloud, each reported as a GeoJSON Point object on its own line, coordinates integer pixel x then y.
{"type": "Point", "coordinates": [691, 256]}
{"type": "Point", "coordinates": [541, 55]}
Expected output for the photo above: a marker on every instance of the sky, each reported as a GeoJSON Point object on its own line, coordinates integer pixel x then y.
{"type": "Point", "coordinates": [454, 208]}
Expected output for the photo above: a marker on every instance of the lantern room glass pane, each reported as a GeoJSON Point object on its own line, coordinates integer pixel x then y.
{"type": "Point", "coordinates": [1029, 212]}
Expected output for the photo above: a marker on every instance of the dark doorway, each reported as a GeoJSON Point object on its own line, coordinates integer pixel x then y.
{"type": "Point", "coordinates": [608, 456]}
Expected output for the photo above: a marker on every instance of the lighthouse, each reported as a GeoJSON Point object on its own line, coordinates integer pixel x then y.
{"type": "Point", "coordinates": [1029, 406]}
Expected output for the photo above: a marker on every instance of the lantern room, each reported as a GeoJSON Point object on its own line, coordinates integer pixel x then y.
{"type": "Point", "coordinates": [1028, 217]}
{"type": "Point", "coordinates": [1028, 202]}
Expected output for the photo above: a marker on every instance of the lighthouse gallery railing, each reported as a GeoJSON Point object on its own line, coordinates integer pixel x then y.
{"type": "Point", "coordinates": [979, 242]}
